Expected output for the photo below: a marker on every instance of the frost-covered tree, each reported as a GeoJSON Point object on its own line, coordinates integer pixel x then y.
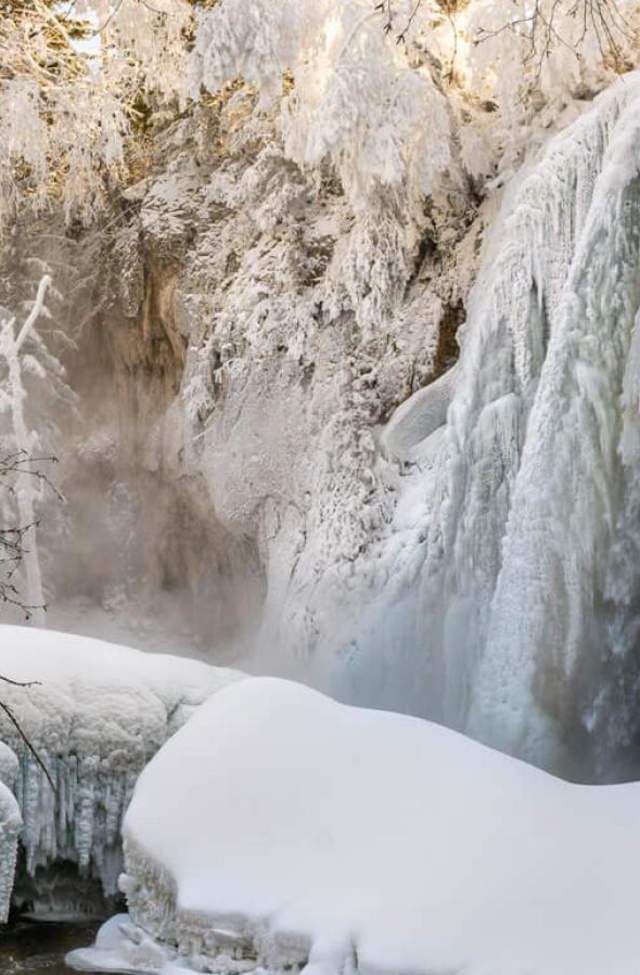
{"type": "Point", "coordinates": [24, 357]}
{"type": "Point", "coordinates": [13, 395]}
{"type": "Point", "coordinates": [17, 539]}
{"type": "Point", "coordinates": [387, 91]}
{"type": "Point", "coordinates": [74, 81]}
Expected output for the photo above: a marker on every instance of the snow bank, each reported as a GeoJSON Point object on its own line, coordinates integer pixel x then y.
{"type": "Point", "coordinates": [96, 717]}
{"type": "Point", "coordinates": [279, 828]}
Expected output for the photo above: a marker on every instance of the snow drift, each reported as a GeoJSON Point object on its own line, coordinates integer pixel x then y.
{"type": "Point", "coordinates": [352, 841]}
{"type": "Point", "coordinates": [96, 716]}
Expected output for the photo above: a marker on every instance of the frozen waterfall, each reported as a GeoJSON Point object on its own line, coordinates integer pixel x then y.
{"type": "Point", "coordinates": [511, 604]}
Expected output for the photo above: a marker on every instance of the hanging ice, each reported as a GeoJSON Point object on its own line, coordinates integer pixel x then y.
{"type": "Point", "coordinates": [96, 716]}
{"type": "Point", "coordinates": [527, 496]}
{"type": "Point", "coordinates": [10, 823]}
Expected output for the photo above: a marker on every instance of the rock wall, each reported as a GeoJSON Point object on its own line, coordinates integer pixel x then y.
{"type": "Point", "coordinates": [253, 334]}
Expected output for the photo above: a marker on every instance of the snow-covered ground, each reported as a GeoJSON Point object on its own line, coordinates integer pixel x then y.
{"type": "Point", "coordinates": [96, 716]}
{"type": "Point", "coordinates": [279, 828]}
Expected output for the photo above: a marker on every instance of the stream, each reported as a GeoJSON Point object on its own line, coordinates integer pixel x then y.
{"type": "Point", "coordinates": [39, 949]}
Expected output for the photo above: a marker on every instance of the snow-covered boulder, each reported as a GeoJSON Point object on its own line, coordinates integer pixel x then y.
{"type": "Point", "coordinates": [95, 717]}
{"type": "Point", "coordinates": [279, 828]}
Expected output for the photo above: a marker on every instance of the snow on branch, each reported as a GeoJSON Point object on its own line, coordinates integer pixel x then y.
{"type": "Point", "coordinates": [17, 541]}
{"type": "Point", "coordinates": [390, 91]}
{"type": "Point", "coordinates": [355, 101]}
{"type": "Point", "coordinates": [21, 476]}
{"type": "Point", "coordinates": [387, 91]}
{"type": "Point", "coordinates": [71, 84]}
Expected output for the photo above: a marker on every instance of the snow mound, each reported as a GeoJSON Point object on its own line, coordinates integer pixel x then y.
{"type": "Point", "coordinates": [279, 828]}
{"type": "Point", "coordinates": [98, 713]}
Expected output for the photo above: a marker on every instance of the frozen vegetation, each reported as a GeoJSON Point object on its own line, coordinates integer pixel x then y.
{"type": "Point", "coordinates": [331, 311]}
{"type": "Point", "coordinates": [96, 716]}
{"type": "Point", "coordinates": [349, 840]}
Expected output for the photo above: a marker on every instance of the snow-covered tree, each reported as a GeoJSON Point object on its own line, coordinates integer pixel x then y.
{"type": "Point", "coordinates": [23, 356]}
{"type": "Point", "coordinates": [72, 87]}
{"type": "Point", "coordinates": [11, 343]}
{"type": "Point", "coordinates": [17, 540]}
{"type": "Point", "coordinates": [388, 91]}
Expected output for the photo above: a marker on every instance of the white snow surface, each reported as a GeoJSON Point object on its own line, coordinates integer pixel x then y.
{"type": "Point", "coordinates": [418, 417]}
{"type": "Point", "coordinates": [356, 840]}
{"type": "Point", "coordinates": [96, 716]}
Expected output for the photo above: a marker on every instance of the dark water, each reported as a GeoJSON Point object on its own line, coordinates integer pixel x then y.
{"type": "Point", "coordinates": [29, 948]}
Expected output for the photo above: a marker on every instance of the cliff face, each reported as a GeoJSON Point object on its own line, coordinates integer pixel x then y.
{"type": "Point", "coordinates": [253, 334]}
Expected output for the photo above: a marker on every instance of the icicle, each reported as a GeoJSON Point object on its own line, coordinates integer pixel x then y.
{"type": "Point", "coordinates": [96, 715]}
{"type": "Point", "coordinates": [10, 823]}
{"type": "Point", "coordinates": [518, 512]}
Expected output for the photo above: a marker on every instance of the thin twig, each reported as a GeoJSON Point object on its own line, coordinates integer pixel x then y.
{"type": "Point", "coordinates": [108, 20]}
{"type": "Point", "coordinates": [20, 683]}
{"type": "Point", "coordinates": [7, 710]}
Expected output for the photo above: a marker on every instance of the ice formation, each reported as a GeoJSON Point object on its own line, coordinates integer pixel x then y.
{"type": "Point", "coordinates": [10, 823]}
{"type": "Point", "coordinates": [352, 840]}
{"type": "Point", "coordinates": [96, 716]}
{"type": "Point", "coordinates": [511, 559]}
{"type": "Point", "coordinates": [418, 417]}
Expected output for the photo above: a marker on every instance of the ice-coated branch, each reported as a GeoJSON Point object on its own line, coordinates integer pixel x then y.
{"type": "Point", "coordinates": [15, 550]}
{"type": "Point", "coordinates": [19, 683]}
{"type": "Point", "coordinates": [36, 310]}
{"type": "Point", "coordinates": [18, 470]}
{"type": "Point", "coordinates": [25, 738]}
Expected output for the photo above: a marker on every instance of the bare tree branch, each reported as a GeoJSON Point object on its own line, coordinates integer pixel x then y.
{"type": "Point", "coordinates": [539, 27]}
{"type": "Point", "coordinates": [14, 538]}
{"type": "Point", "coordinates": [541, 30]}
{"type": "Point", "coordinates": [9, 713]}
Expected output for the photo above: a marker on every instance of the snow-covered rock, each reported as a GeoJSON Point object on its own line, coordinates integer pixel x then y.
{"type": "Point", "coordinates": [95, 717]}
{"type": "Point", "coordinates": [279, 828]}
